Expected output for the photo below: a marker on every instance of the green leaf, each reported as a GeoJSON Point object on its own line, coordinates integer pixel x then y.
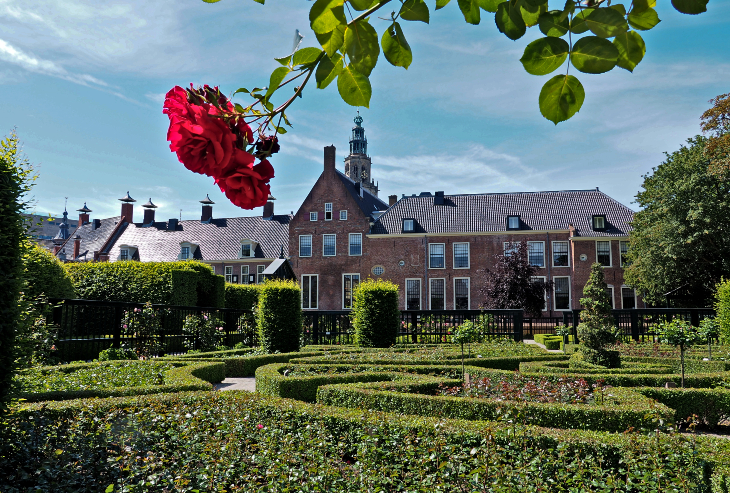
{"type": "Point", "coordinates": [276, 77]}
{"type": "Point", "coordinates": [327, 70]}
{"type": "Point", "coordinates": [326, 15]}
{"type": "Point", "coordinates": [536, 3]}
{"type": "Point", "coordinates": [561, 97]}
{"type": "Point", "coordinates": [332, 41]}
{"type": "Point", "coordinates": [441, 4]}
{"type": "Point", "coordinates": [361, 5]}
{"type": "Point", "coordinates": [239, 108]}
{"type": "Point", "coordinates": [395, 47]}
{"type": "Point", "coordinates": [644, 20]}
{"type": "Point", "coordinates": [241, 89]}
{"type": "Point", "coordinates": [606, 22]}
{"type": "Point", "coordinates": [594, 55]}
{"type": "Point", "coordinates": [551, 24]}
{"type": "Point", "coordinates": [284, 60]}
{"type": "Point", "coordinates": [619, 7]}
{"type": "Point", "coordinates": [509, 20]}
{"type": "Point", "coordinates": [631, 50]}
{"type": "Point", "coordinates": [692, 7]}
{"type": "Point", "coordinates": [280, 130]}
{"type": "Point", "coordinates": [642, 5]}
{"type": "Point", "coordinates": [305, 56]}
{"type": "Point", "coordinates": [110, 488]}
{"type": "Point", "coordinates": [361, 45]}
{"type": "Point", "coordinates": [544, 55]}
{"type": "Point", "coordinates": [578, 24]}
{"type": "Point", "coordinates": [211, 1]}
{"type": "Point", "coordinates": [531, 14]}
{"type": "Point", "coordinates": [414, 10]}
{"type": "Point", "coordinates": [470, 10]}
{"type": "Point", "coordinates": [257, 1]}
{"type": "Point", "coordinates": [568, 9]}
{"type": "Point", "coordinates": [354, 87]}
{"type": "Point", "coordinates": [490, 5]}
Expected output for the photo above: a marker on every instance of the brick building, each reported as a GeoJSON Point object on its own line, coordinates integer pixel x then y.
{"type": "Point", "coordinates": [437, 246]}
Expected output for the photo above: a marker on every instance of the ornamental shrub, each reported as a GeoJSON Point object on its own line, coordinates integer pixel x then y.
{"type": "Point", "coordinates": [203, 332]}
{"type": "Point", "coordinates": [722, 307]}
{"type": "Point", "coordinates": [241, 296]}
{"type": "Point", "coordinates": [596, 330]}
{"type": "Point", "coordinates": [44, 275]}
{"type": "Point", "coordinates": [375, 313]}
{"type": "Point", "coordinates": [681, 334]}
{"type": "Point", "coordinates": [143, 325]}
{"type": "Point", "coordinates": [117, 354]}
{"type": "Point", "coordinates": [280, 316]}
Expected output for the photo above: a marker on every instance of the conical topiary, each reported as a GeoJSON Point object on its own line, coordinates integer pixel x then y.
{"type": "Point", "coordinates": [597, 330]}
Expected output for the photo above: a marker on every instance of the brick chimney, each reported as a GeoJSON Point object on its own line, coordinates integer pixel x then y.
{"type": "Point", "coordinates": [269, 207]}
{"type": "Point", "coordinates": [84, 215]}
{"type": "Point", "coordinates": [127, 208]}
{"type": "Point", "coordinates": [207, 213]}
{"type": "Point", "coordinates": [77, 246]}
{"type": "Point", "coordinates": [329, 160]}
{"type": "Point", "coordinates": [149, 213]}
{"type": "Point", "coordinates": [392, 199]}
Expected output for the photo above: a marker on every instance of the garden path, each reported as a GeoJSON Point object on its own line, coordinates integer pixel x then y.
{"type": "Point", "coordinates": [248, 384]}
{"type": "Point", "coordinates": [530, 341]}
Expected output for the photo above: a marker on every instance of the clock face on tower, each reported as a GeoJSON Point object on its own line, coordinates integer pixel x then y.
{"type": "Point", "coordinates": [364, 174]}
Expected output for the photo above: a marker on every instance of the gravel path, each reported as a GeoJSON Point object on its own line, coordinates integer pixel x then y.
{"type": "Point", "coordinates": [247, 384]}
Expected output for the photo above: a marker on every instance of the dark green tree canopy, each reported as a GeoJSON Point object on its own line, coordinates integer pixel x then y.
{"type": "Point", "coordinates": [681, 239]}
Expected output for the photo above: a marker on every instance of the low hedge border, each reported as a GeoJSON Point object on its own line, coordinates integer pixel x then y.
{"type": "Point", "coordinates": [388, 389]}
{"type": "Point", "coordinates": [689, 363]}
{"type": "Point", "coordinates": [186, 377]}
{"type": "Point", "coordinates": [709, 455]}
{"type": "Point", "coordinates": [501, 363]}
{"type": "Point", "coordinates": [562, 367]}
{"type": "Point", "coordinates": [213, 354]}
{"type": "Point", "coordinates": [245, 366]}
{"type": "Point", "coordinates": [710, 405]}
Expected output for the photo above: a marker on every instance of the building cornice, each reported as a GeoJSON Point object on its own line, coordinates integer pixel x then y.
{"type": "Point", "coordinates": [477, 233]}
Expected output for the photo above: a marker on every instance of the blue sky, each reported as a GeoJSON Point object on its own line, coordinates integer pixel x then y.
{"type": "Point", "coordinates": [83, 83]}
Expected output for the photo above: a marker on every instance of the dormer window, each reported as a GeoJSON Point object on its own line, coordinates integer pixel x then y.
{"type": "Point", "coordinates": [184, 253]}
{"type": "Point", "coordinates": [408, 225]}
{"type": "Point", "coordinates": [248, 248]}
{"type": "Point", "coordinates": [187, 250]}
{"type": "Point", "coordinates": [328, 211]}
{"type": "Point", "coordinates": [124, 254]}
{"type": "Point", "coordinates": [599, 223]}
{"type": "Point", "coordinates": [513, 222]}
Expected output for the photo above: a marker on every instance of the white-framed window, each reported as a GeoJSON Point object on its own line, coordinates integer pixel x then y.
{"type": "Point", "coordinates": [513, 222]}
{"type": "Point", "coordinates": [229, 273]}
{"type": "Point", "coordinates": [542, 280]}
{"type": "Point", "coordinates": [461, 255]}
{"type": "Point", "coordinates": [510, 247]}
{"type": "Point", "coordinates": [413, 294]}
{"type": "Point", "coordinates": [561, 293]}
{"type": "Point", "coordinates": [343, 215]}
{"type": "Point", "coordinates": [599, 223]}
{"type": "Point", "coordinates": [436, 256]}
{"type": "Point", "coordinates": [329, 245]}
{"type": "Point", "coordinates": [124, 254]}
{"type": "Point", "coordinates": [260, 273]}
{"type": "Point", "coordinates": [305, 245]}
{"type": "Point", "coordinates": [248, 249]}
{"type": "Point", "coordinates": [462, 294]}
{"type": "Point", "coordinates": [244, 274]}
{"type": "Point", "coordinates": [437, 294]}
{"type": "Point", "coordinates": [355, 244]}
{"type": "Point", "coordinates": [603, 253]}
{"type": "Point", "coordinates": [312, 216]}
{"type": "Point", "coordinates": [628, 297]}
{"type": "Point", "coordinates": [609, 292]}
{"type": "Point", "coordinates": [536, 253]}
{"type": "Point", "coordinates": [408, 225]}
{"type": "Point", "coordinates": [624, 245]}
{"type": "Point", "coordinates": [328, 211]}
{"type": "Point", "coordinates": [184, 253]}
{"type": "Point", "coordinates": [309, 291]}
{"type": "Point", "coordinates": [349, 283]}
{"type": "Point", "coordinates": [560, 254]}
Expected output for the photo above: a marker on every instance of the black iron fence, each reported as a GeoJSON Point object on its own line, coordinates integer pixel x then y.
{"type": "Point", "coordinates": [640, 324]}
{"type": "Point", "coordinates": [87, 327]}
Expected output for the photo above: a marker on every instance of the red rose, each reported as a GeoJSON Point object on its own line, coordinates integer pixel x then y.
{"type": "Point", "coordinates": [245, 185]}
{"type": "Point", "coordinates": [204, 144]}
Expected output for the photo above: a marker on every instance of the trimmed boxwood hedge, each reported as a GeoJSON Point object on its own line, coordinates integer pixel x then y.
{"type": "Point", "coordinates": [280, 316]}
{"type": "Point", "coordinates": [185, 377]}
{"type": "Point", "coordinates": [242, 296]}
{"type": "Point", "coordinates": [245, 366]}
{"type": "Point", "coordinates": [375, 314]}
{"type": "Point", "coordinates": [710, 405]}
{"type": "Point", "coordinates": [501, 363]}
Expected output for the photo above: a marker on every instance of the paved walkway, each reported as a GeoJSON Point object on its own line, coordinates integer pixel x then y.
{"type": "Point", "coordinates": [248, 384]}
{"type": "Point", "coordinates": [530, 341]}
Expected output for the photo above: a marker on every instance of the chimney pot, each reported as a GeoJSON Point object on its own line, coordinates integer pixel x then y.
{"type": "Point", "coordinates": [329, 159]}
{"type": "Point", "coordinates": [268, 209]}
{"type": "Point", "coordinates": [77, 246]}
{"type": "Point", "coordinates": [392, 199]}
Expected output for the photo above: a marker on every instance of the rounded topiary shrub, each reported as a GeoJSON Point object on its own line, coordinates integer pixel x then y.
{"type": "Point", "coordinates": [375, 313]}
{"type": "Point", "coordinates": [280, 316]}
{"type": "Point", "coordinates": [45, 275]}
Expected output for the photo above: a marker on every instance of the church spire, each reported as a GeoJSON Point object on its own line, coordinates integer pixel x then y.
{"type": "Point", "coordinates": [358, 142]}
{"type": "Point", "coordinates": [357, 163]}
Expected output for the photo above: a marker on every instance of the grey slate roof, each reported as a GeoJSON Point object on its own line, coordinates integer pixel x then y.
{"type": "Point", "coordinates": [91, 239]}
{"type": "Point", "coordinates": [218, 240]}
{"type": "Point", "coordinates": [487, 212]}
{"type": "Point", "coordinates": [368, 203]}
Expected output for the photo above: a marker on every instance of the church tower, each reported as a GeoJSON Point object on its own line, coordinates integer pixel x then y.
{"type": "Point", "coordinates": [357, 164]}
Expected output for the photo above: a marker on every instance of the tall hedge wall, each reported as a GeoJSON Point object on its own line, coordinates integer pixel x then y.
{"type": "Point", "coordinates": [242, 296]}
{"type": "Point", "coordinates": [44, 274]}
{"type": "Point", "coordinates": [375, 313]}
{"type": "Point", "coordinates": [187, 283]}
{"type": "Point", "coordinates": [280, 316]}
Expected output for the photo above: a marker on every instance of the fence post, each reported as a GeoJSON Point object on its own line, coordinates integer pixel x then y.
{"type": "Point", "coordinates": [517, 325]}
{"type": "Point", "coordinates": [315, 327]}
{"type": "Point", "coordinates": [117, 326]}
{"type": "Point", "coordinates": [634, 325]}
{"type": "Point", "coordinates": [694, 317]}
{"type": "Point", "coordinates": [414, 326]}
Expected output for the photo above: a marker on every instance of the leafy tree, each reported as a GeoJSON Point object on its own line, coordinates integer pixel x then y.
{"type": "Point", "coordinates": [716, 123]}
{"type": "Point", "coordinates": [594, 37]}
{"type": "Point", "coordinates": [709, 331]}
{"type": "Point", "coordinates": [511, 285]}
{"type": "Point", "coordinates": [681, 235]}
{"type": "Point", "coordinates": [16, 179]}
{"type": "Point", "coordinates": [681, 334]}
{"type": "Point", "coordinates": [465, 333]}
{"type": "Point", "coordinates": [596, 329]}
